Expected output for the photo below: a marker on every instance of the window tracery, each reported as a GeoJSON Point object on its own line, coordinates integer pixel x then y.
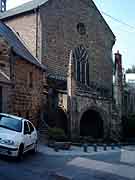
{"type": "Point", "coordinates": [80, 57]}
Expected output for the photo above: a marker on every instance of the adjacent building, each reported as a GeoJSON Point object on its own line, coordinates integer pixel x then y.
{"type": "Point", "coordinates": [21, 77]}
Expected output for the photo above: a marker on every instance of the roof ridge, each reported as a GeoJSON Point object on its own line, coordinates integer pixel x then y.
{"type": "Point", "coordinates": [28, 6]}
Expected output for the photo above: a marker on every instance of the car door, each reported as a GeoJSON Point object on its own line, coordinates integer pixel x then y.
{"type": "Point", "coordinates": [33, 134]}
{"type": "Point", "coordinates": [27, 136]}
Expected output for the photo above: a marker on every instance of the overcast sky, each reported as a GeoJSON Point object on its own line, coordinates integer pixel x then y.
{"type": "Point", "coordinates": [119, 9]}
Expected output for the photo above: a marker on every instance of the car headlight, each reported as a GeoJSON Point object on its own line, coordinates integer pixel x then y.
{"type": "Point", "coordinates": [7, 141]}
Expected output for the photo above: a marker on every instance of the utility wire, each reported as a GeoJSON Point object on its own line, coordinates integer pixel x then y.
{"type": "Point", "coordinates": [117, 20]}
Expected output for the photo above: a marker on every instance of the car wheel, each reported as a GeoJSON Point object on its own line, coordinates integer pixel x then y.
{"type": "Point", "coordinates": [20, 152]}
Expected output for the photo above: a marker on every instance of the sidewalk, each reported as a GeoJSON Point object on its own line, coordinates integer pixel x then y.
{"type": "Point", "coordinates": [75, 151]}
{"type": "Point", "coordinates": [83, 169]}
{"type": "Point", "coordinates": [112, 164]}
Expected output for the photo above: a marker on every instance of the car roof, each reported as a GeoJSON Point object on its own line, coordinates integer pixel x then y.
{"type": "Point", "coordinates": [12, 116]}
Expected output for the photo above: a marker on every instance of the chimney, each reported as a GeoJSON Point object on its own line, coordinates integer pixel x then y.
{"type": "Point", "coordinates": [118, 62]}
{"type": "Point", "coordinates": [118, 86]}
{"type": "Point", "coordinates": [2, 5]}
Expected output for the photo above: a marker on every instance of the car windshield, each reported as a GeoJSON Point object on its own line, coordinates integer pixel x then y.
{"type": "Point", "coordinates": [10, 123]}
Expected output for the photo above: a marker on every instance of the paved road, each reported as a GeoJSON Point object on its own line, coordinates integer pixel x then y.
{"type": "Point", "coordinates": [44, 167]}
{"type": "Point", "coordinates": [36, 167]}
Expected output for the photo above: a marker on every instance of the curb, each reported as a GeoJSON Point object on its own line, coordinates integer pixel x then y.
{"type": "Point", "coordinates": [53, 153]}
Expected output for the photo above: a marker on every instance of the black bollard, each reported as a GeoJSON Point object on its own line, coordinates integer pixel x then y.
{"type": "Point", "coordinates": [105, 147]}
{"type": "Point", "coordinates": [85, 147]}
{"type": "Point", "coordinates": [56, 148]}
{"type": "Point", "coordinates": [95, 147]}
{"type": "Point", "coordinates": [112, 146]}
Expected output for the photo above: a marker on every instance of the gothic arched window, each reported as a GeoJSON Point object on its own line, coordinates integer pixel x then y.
{"type": "Point", "coordinates": [80, 57]}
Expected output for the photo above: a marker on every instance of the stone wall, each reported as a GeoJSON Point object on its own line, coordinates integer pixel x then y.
{"type": "Point", "coordinates": [85, 103]}
{"type": "Point", "coordinates": [60, 36]}
{"type": "Point", "coordinates": [28, 90]}
{"type": "Point", "coordinates": [22, 85]}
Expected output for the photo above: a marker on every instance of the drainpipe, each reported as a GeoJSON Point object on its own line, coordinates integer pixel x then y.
{"type": "Point", "coordinates": [37, 26]}
{"type": "Point", "coordinates": [12, 70]}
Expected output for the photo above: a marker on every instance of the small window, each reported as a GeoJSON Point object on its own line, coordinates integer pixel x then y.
{"type": "Point", "coordinates": [26, 128]}
{"type": "Point", "coordinates": [31, 127]}
{"type": "Point", "coordinates": [30, 79]}
{"type": "Point", "coordinates": [81, 28]}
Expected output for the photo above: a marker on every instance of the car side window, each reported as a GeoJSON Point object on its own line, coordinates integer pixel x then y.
{"type": "Point", "coordinates": [31, 127]}
{"type": "Point", "coordinates": [26, 128]}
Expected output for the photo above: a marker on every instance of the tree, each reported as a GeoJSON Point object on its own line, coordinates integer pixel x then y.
{"type": "Point", "coordinates": [131, 70]}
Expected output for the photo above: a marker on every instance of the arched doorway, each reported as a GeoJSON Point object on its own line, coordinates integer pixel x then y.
{"type": "Point", "coordinates": [61, 120]}
{"type": "Point", "coordinates": [57, 118]}
{"type": "Point", "coordinates": [91, 124]}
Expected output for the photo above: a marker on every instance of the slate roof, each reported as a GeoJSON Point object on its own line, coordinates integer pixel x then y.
{"type": "Point", "coordinates": [26, 7]}
{"type": "Point", "coordinates": [17, 45]}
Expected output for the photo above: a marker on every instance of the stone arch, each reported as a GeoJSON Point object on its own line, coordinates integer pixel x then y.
{"type": "Point", "coordinates": [92, 122]}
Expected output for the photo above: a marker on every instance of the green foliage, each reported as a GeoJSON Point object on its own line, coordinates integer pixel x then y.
{"type": "Point", "coordinates": [56, 134]}
{"type": "Point", "coordinates": [131, 70]}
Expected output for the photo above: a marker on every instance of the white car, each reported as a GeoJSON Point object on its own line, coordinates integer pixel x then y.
{"type": "Point", "coordinates": [17, 135]}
